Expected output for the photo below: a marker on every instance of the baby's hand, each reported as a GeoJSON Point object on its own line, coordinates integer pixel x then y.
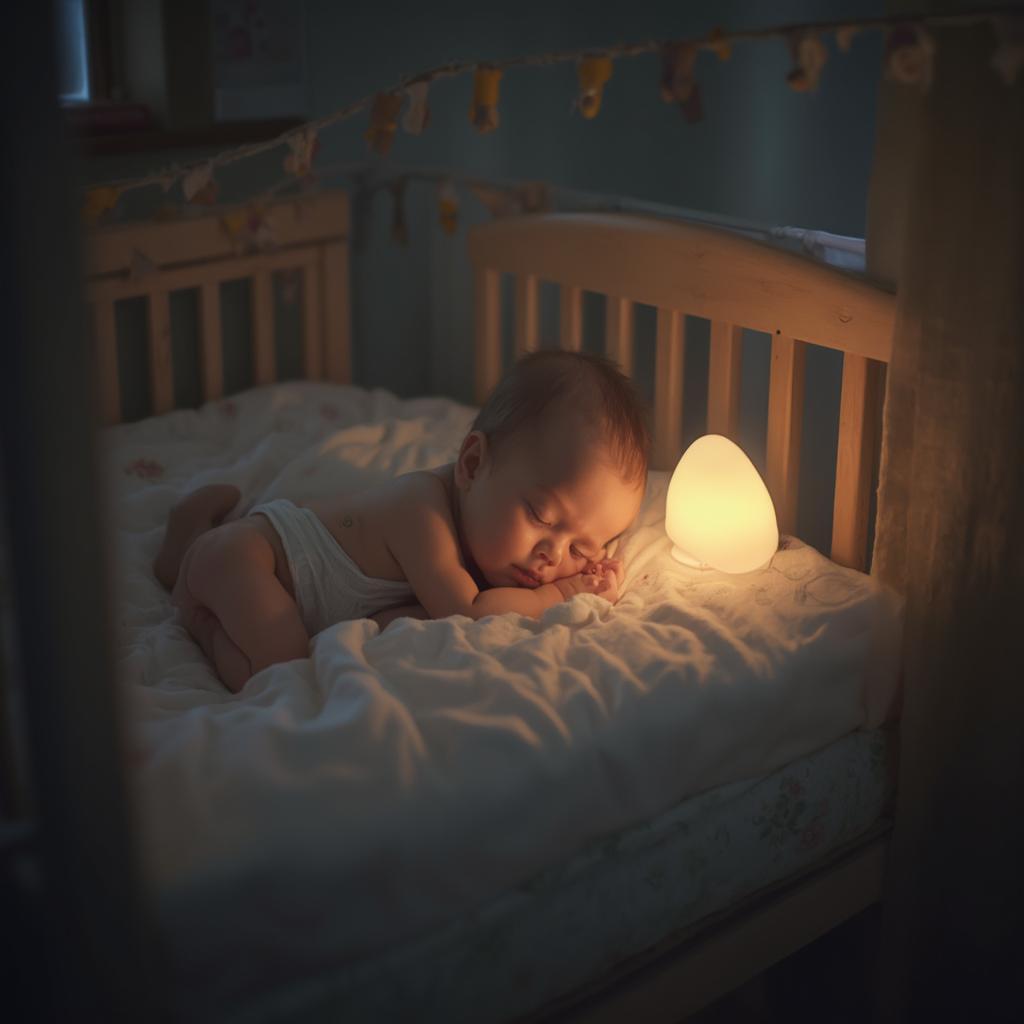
{"type": "Point", "coordinates": [602, 578]}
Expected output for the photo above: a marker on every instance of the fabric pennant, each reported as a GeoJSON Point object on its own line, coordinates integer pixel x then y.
{"type": "Point", "coordinates": [417, 114]}
{"type": "Point", "coordinates": [483, 111]}
{"type": "Point", "coordinates": [809, 58]}
{"type": "Point", "coordinates": [593, 74]}
{"type": "Point", "coordinates": [197, 183]}
{"type": "Point", "coordinates": [677, 83]}
{"type": "Point", "coordinates": [383, 121]}
{"type": "Point", "coordinates": [719, 45]}
{"type": "Point", "coordinates": [303, 147]}
{"type": "Point", "coordinates": [248, 229]}
{"type": "Point", "coordinates": [909, 55]}
{"type": "Point", "coordinates": [845, 35]}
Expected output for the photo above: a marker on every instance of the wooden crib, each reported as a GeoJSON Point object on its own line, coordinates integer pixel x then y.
{"type": "Point", "coordinates": [679, 269]}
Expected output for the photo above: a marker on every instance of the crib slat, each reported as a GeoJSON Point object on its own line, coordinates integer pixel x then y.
{"type": "Point", "coordinates": [211, 366]}
{"type": "Point", "coordinates": [487, 334]}
{"type": "Point", "coordinates": [161, 372]}
{"type": "Point", "coordinates": [526, 314]}
{"type": "Point", "coordinates": [618, 332]}
{"type": "Point", "coordinates": [264, 356]}
{"type": "Point", "coordinates": [312, 323]}
{"type": "Point", "coordinates": [336, 338]}
{"type": "Point", "coordinates": [724, 379]}
{"type": "Point", "coordinates": [105, 333]}
{"type": "Point", "coordinates": [668, 390]}
{"type": "Point", "coordinates": [571, 334]}
{"type": "Point", "coordinates": [785, 415]}
{"type": "Point", "coordinates": [858, 411]}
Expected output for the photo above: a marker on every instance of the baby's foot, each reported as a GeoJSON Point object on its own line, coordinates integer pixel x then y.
{"type": "Point", "coordinates": [196, 513]}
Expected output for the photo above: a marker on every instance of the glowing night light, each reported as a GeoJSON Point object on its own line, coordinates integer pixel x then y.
{"type": "Point", "coordinates": [718, 512]}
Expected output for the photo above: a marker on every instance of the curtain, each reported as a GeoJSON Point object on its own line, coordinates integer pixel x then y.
{"type": "Point", "coordinates": [946, 223]}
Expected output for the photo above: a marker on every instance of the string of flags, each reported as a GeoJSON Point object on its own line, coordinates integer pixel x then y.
{"type": "Point", "coordinates": [908, 58]}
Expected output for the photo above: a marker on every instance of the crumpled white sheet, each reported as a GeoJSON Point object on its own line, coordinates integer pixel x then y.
{"type": "Point", "coordinates": [394, 779]}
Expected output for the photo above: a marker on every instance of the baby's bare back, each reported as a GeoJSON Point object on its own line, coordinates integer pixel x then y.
{"type": "Point", "coordinates": [362, 522]}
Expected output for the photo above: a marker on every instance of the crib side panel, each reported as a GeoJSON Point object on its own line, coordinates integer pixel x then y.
{"type": "Point", "coordinates": [308, 237]}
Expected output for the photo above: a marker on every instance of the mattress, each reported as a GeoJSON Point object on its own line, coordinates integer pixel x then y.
{"type": "Point", "coordinates": [568, 925]}
{"type": "Point", "coordinates": [348, 803]}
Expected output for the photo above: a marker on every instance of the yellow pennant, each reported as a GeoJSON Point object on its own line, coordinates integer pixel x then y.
{"type": "Point", "coordinates": [677, 79]}
{"type": "Point", "coordinates": [719, 45]}
{"type": "Point", "coordinates": [483, 112]}
{"type": "Point", "coordinates": [592, 73]}
{"type": "Point", "coordinates": [809, 57]}
{"type": "Point", "coordinates": [383, 121]}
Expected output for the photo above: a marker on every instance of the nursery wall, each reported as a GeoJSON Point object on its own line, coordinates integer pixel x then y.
{"type": "Point", "coordinates": [762, 153]}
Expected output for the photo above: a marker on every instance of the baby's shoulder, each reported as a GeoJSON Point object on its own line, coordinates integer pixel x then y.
{"type": "Point", "coordinates": [419, 491]}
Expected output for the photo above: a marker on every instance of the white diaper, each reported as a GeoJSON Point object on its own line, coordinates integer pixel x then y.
{"type": "Point", "coordinates": [329, 586]}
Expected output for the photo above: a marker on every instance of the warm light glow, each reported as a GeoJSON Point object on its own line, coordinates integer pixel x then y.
{"type": "Point", "coordinates": [718, 512]}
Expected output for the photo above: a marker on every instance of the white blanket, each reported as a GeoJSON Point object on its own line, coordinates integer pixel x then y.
{"type": "Point", "coordinates": [396, 778]}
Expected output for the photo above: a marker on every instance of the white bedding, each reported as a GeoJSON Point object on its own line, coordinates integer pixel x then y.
{"type": "Point", "coordinates": [393, 779]}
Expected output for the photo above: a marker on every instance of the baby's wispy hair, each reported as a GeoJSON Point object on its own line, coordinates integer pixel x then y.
{"type": "Point", "coordinates": [541, 381]}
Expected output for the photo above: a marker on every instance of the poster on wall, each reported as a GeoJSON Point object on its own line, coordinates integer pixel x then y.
{"type": "Point", "coordinates": [259, 66]}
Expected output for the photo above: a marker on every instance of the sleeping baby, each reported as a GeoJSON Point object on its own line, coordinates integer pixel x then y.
{"type": "Point", "coordinates": [551, 472]}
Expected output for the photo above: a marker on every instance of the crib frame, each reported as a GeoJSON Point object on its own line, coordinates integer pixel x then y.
{"type": "Point", "coordinates": [735, 283]}
{"type": "Point", "coordinates": [309, 235]}
{"type": "Point", "coordinates": [680, 269]}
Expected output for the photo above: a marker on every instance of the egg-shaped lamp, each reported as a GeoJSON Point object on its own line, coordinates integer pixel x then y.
{"type": "Point", "coordinates": [718, 512]}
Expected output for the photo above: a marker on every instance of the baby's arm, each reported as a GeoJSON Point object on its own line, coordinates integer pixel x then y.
{"type": "Point", "coordinates": [421, 536]}
{"type": "Point", "coordinates": [405, 611]}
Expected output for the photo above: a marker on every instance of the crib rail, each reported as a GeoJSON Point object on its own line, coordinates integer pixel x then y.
{"type": "Point", "coordinates": [153, 260]}
{"type": "Point", "coordinates": [733, 282]}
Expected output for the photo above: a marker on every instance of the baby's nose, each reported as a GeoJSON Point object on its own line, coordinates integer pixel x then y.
{"type": "Point", "coordinates": [552, 551]}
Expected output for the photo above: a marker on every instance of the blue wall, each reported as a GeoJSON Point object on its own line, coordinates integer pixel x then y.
{"type": "Point", "coordinates": [762, 153]}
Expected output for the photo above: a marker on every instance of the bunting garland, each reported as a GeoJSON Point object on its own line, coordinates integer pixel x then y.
{"type": "Point", "coordinates": [908, 59]}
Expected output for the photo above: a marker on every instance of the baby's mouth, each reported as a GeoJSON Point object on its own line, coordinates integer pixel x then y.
{"type": "Point", "coordinates": [526, 578]}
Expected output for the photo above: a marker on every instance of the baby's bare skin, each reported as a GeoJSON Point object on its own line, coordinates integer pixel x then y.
{"type": "Point", "coordinates": [518, 531]}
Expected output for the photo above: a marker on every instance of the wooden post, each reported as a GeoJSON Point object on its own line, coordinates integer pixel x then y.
{"type": "Point", "coordinates": [668, 390]}
{"type": "Point", "coordinates": [785, 418]}
{"type": "Point", "coordinates": [526, 314]}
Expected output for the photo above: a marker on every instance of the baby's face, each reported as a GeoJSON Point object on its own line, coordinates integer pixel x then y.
{"type": "Point", "coordinates": [549, 502]}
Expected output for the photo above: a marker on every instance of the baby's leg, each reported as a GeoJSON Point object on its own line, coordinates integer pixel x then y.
{"type": "Point", "coordinates": [196, 513]}
{"type": "Point", "coordinates": [229, 572]}
{"type": "Point", "coordinates": [220, 650]}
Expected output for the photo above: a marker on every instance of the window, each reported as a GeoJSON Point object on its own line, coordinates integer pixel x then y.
{"type": "Point", "coordinates": [73, 51]}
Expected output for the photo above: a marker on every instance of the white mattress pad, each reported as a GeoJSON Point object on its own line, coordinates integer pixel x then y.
{"type": "Point", "coordinates": [393, 779]}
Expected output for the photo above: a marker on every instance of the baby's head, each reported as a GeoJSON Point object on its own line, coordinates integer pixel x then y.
{"type": "Point", "coordinates": [552, 470]}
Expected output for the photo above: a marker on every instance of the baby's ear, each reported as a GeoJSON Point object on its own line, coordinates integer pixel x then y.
{"type": "Point", "coordinates": [471, 458]}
